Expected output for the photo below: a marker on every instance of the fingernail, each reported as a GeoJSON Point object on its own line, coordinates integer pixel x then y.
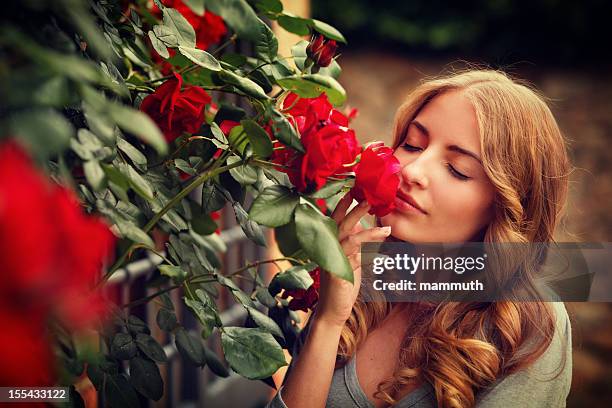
{"type": "Point", "coordinates": [386, 230]}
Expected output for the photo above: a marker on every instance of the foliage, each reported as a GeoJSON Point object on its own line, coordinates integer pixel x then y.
{"type": "Point", "coordinates": [120, 102]}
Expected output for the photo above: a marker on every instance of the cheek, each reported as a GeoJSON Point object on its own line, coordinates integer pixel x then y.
{"type": "Point", "coordinates": [465, 203]}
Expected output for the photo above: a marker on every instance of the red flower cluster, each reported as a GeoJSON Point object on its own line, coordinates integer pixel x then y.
{"type": "Point", "coordinates": [304, 299]}
{"type": "Point", "coordinates": [331, 147]}
{"type": "Point", "coordinates": [52, 254]}
{"type": "Point", "coordinates": [377, 179]}
{"type": "Point", "coordinates": [321, 50]}
{"type": "Point", "coordinates": [176, 111]}
{"type": "Point", "coordinates": [209, 28]}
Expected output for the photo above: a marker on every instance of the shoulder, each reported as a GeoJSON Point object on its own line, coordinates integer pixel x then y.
{"type": "Point", "coordinates": [546, 382]}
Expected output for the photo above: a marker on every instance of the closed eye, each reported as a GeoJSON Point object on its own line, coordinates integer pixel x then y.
{"type": "Point", "coordinates": [456, 174]}
{"type": "Point", "coordinates": [411, 148]}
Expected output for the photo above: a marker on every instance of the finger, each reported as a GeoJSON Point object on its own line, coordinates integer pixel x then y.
{"type": "Point", "coordinates": [352, 243]}
{"type": "Point", "coordinates": [355, 260]}
{"type": "Point", "coordinates": [352, 218]}
{"type": "Point", "coordinates": [357, 228]}
{"type": "Point", "coordinates": [343, 205]}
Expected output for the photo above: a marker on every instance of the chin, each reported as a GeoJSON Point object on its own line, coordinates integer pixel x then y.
{"type": "Point", "coordinates": [401, 229]}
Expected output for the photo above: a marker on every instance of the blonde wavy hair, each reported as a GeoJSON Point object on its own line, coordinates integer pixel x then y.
{"type": "Point", "coordinates": [459, 348]}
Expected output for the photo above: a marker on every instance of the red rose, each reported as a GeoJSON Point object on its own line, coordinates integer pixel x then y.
{"type": "Point", "coordinates": [25, 349]}
{"type": "Point", "coordinates": [52, 253]}
{"type": "Point", "coordinates": [209, 28]}
{"type": "Point", "coordinates": [376, 179]}
{"type": "Point", "coordinates": [321, 50]}
{"type": "Point", "coordinates": [176, 111]}
{"type": "Point", "coordinates": [329, 152]}
{"type": "Point", "coordinates": [304, 299]}
{"type": "Point", "coordinates": [330, 146]}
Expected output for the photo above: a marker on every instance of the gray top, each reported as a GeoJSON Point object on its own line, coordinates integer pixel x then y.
{"type": "Point", "coordinates": [545, 383]}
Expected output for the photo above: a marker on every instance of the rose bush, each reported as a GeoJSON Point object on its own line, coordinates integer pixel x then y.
{"type": "Point", "coordinates": [109, 134]}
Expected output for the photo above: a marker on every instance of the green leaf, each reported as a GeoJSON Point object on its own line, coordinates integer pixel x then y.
{"type": "Point", "coordinates": [202, 223]}
{"type": "Point", "coordinates": [185, 34]}
{"type": "Point", "coordinates": [261, 79]}
{"type": "Point", "coordinates": [175, 272]}
{"type": "Point", "coordinates": [298, 51]}
{"type": "Point", "coordinates": [94, 174]}
{"type": "Point", "coordinates": [265, 322]}
{"type": "Point", "coordinates": [88, 140]}
{"type": "Point", "coordinates": [197, 6]}
{"type": "Point", "coordinates": [190, 347]}
{"type": "Point", "coordinates": [131, 231]}
{"type": "Point", "coordinates": [333, 70]}
{"type": "Point", "coordinates": [274, 206]}
{"type": "Point", "coordinates": [166, 320]}
{"type": "Point", "coordinates": [151, 348]}
{"type": "Point", "coordinates": [264, 297]}
{"type": "Point", "coordinates": [136, 325]}
{"type": "Point", "coordinates": [184, 166]}
{"type": "Point", "coordinates": [288, 242]}
{"type": "Point", "coordinates": [115, 387]}
{"type": "Point", "coordinates": [239, 15]}
{"type": "Point", "coordinates": [295, 25]}
{"type": "Point", "coordinates": [204, 309]}
{"type": "Point", "coordinates": [116, 180]}
{"type": "Point", "coordinates": [140, 185]}
{"type": "Point", "coordinates": [284, 131]}
{"type": "Point", "coordinates": [85, 25]}
{"type": "Point", "coordinates": [312, 85]}
{"type": "Point", "coordinates": [318, 236]}
{"type": "Point", "coordinates": [245, 85]}
{"type": "Point", "coordinates": [212, 198]}
{"type": "Point", "coordinates": [328, 31]}
{"type": "Point", "coordinates": [145, 377]}
{"type": "Point", "coordinates": [271, 6]}
{"type": "Point", "coordinates": [329, 189]}
{"type": "Point", "coordinates": [45, 132]}
{"type": "Point", "coordinates": [252, 352]}
{"type": "Point", "coordinates": [215, 364]}
{"type": "Point", "coordinates": [220, 140]}
{"type": "Point", "coordinates": [251, 229]}
{"type": "Point", "coordinates": [139, 124]}
{"type": "Point", "coordinates": [100, 125]}
{"type": "Point", "coordinates": [236, 60]}
{"type": "Point", "coordinates": [158, 45]}
{"type": "Point", "coordinates": [135, 155]}
{"type": "Point", "coordinates": [260, 141]}
{"type": "Point", "coordinates": [266, 46]}
{"type": "Point", "coordinates": [200, 57]}
{"type": "Point", "coordinates": [244, 174]}
{"type": "Point", "coordinates": [166, 35]}
{"type": "Point", "coordinates": [296, 277]}
{"type": "Point", "coordinates": [237, 139]}
{"type": "Point", "coordinates": [123, 346]}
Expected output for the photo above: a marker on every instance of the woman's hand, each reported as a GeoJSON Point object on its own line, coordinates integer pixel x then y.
{"type": "Point", "coordinates": [337, 296]}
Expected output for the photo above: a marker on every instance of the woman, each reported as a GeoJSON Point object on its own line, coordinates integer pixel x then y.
{"type": "Point", "coordinates": [482, 160]}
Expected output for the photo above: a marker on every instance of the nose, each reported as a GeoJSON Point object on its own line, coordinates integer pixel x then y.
{"type": "Point", "coordinates": [413, 173]}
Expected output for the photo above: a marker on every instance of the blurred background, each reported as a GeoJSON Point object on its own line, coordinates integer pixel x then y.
{"type": "Point", "coordinates": [561, 47]}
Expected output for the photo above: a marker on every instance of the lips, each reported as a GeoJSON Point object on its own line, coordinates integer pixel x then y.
{"type": "Point", "coordinates": [408, 199]}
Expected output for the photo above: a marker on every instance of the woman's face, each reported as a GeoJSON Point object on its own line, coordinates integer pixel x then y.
{"type": "Point", "coordinates": [444, 193]}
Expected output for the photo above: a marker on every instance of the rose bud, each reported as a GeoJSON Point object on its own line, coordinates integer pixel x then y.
{"type": "Point", "coordinates": [321, 50]}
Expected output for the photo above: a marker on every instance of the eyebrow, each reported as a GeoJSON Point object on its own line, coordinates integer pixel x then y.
{"type": "Point", "coordinates": [453, 148]}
